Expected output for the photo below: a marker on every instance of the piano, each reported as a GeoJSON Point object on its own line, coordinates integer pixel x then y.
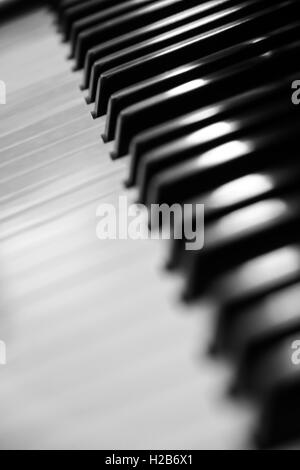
{"type": "Point", "coordinates": [143, 344]}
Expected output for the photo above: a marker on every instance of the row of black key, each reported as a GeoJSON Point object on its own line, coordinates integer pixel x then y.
{"type": "Point", "coordinates": [199, 95]}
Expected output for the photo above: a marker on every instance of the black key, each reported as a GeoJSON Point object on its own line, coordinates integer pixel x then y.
{"type": "Point", "coordinates": [150, 31]}
{"type": "Point", "coordinates": [10, 9]}
{"type": "Point", "coordinates": [182, 155]}
{"type": "Point", "coordinates": [81, 10]}
{"type": "Point", "coordinates": [275, 376]}
{"type": "Point", "coordinates": [126, 23]}
{"type": "Point", "coordinates": [64, 5]}
{"type": "Point", "coordinates": [202, 92]}
{"type": "Point", "coordinates": [234, 195]}
{"type": "Point", "coordinates": [240, 236]}
{"type": "Point", "coordinates": [193, 49]}
{"type": "Point", "coordinates": [208, 21]}
{"type": "Point", "coordinates": [160, 135]}
{"type": "Point", "coordinates": [101, 19]}
{"type": "Point", "coordinates": [245, 286]}
{"type": "Point", "coordinates": [254, 280]}
{"type": "Point", "coordinates": [263, 321]}
{"type": "Point", "coordinates": [271, 374]}
{"type": "Point", "coordinates": [192, 71]}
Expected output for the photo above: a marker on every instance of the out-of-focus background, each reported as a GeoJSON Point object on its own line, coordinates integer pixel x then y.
{"type": "Point", "coordinates": [100, 352]}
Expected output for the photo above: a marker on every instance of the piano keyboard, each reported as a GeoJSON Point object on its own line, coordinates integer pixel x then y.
{"type": "Point", "coordinates": [106, 348]}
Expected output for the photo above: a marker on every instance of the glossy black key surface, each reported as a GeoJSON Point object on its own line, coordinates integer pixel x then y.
{"type": "Point", "coordinates": [192, 71]}
{"type": "Point", "coordinates": [273, 316]}
{"type": "Point", "coordinates": [11, 9]}
{"type": "Point", "coordinates": [81, 10]}
{"type": "Point", "coordinates": [120, 42]}
{"type": "Point", "coordinates": [101, 20]}
{"type": "Point", "coordinates": [136, 37]}
{"type": "Point", "coordinates": [182, 155]}
{"type": "Point", "coordinates": [199, 94]}
{"type": "Point", "coordinates": [245, 286]}
{"type": "Point", "coordinates": [255, 279]}
{"type": "Point", "coordinates": [176, 128]}
{"type": "Point", "coordinates": [63, 7]}
{"type": "Point", "coordinates": [192, 49]}
{"type": "Point", "coordinates": [231, 196]}
{"type": "Point", "coordinates": [126, 23]}
{"type": "Point", "coordinates": [202, 92]}
{"type": "Point", "coordinates": [239, 236]}
{"type": "Point", "coordinates": [274, 375]}
{"type": "Point", "coordinates": [211, 20]}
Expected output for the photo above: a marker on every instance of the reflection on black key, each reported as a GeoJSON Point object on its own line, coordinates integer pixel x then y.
{"type": "Point", "coordinates": [277, 371]}
{"type": "Point", "coordinates": [209, 22]}
{"type": "Point", "coordinates": [83, 9]}
{"type": "Point", "coordinates": [171, 130]}
{"type": "Point", "coordinates": [64, 5]}
{"type": "Point", "coordinates": [272, 374]}
{"type": "Point", "coordinates": [135, 37]}
{"type": "Point", "coordinates": [101, 20]}
{"type": "Point", "coordinates": [192, 71]}
{"type": "Point", "coordinates": [200, 94]}
{"type": "Point", "coordinates": [182, 155]}
{"type": "Point", "coordinates": [275, 315]}
{"type": "Point", "coordinates": [193, 49]}
{"type": "Point", "coordinates": [125, 23]}
{"type": "Point", "coordinates": [203, 92]}
{"type": "Point", "coordinates": [245, 288]}
{"type": "Point", "coordinates": [241, 235]}
{"type": "Point", "coordinates": [234, 195]}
